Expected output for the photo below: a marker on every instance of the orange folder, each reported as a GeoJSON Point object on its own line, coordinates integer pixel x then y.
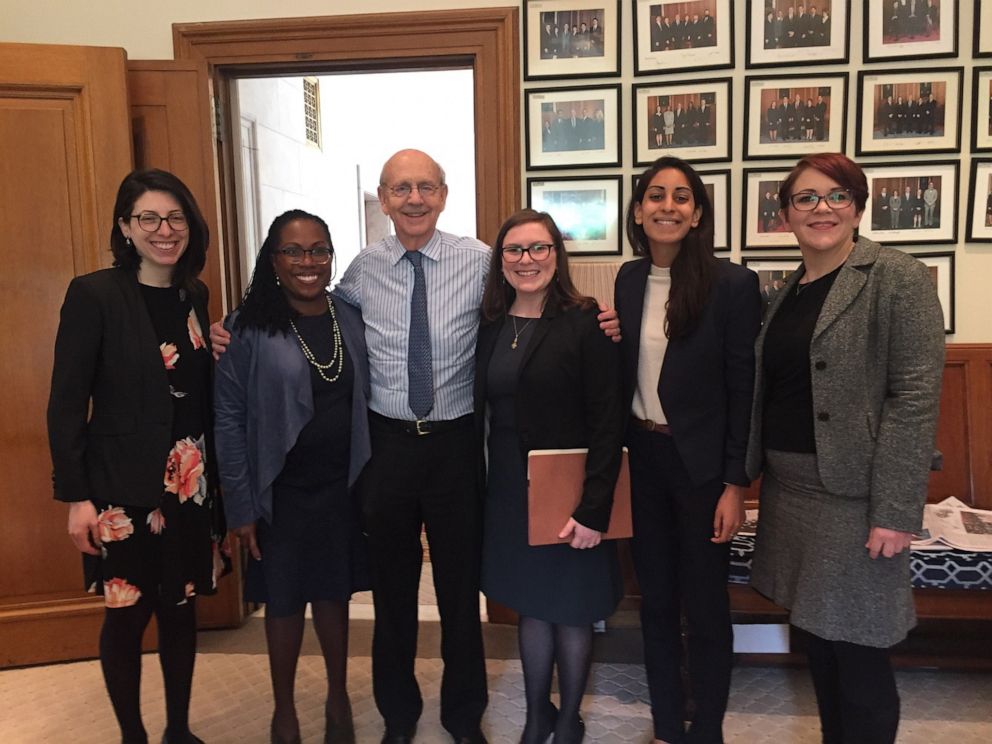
{"type": "Point", "coordinates": [556, 479]}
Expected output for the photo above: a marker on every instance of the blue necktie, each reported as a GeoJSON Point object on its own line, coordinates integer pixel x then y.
{"type": "Point", "coordinates": [420, 370]}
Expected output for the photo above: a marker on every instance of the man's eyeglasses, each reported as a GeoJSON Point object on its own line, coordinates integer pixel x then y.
{"type": "Point", "coordinates": [150, 222]}
{"type": "Point", "coordinates": [403, 190]}
{"type": "Point", "coordinates": [295, 254]}
{"type": "Point", "coordinates": [807, 201]}
{"type": "Point", "coordinates": [537, 251]}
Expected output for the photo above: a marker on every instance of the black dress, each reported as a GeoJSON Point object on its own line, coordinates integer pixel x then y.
{"type": "Point", "coordinates": [554, 583]}
{"type": "Point", "coordinates": [314, 549]}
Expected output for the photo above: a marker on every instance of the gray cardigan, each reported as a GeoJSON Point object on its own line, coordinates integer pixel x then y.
{"type": "Point", "coordinates": [262, 400]}
{"type": "Point", "coordinates": [876, 361]}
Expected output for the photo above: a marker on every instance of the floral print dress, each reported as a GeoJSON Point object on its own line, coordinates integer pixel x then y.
{"type": "Point", "coordinates": [170, 552]}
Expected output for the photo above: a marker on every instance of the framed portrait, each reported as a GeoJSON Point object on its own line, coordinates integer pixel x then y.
{"type": "Point", "coordinates": [682, 36]}
{"type": "Point", "coordinates": [772, 275]}
{"type": "Point", "coordinates": [941, 266]}
{"type": "Point", "coordinates": [573, 127]}
{"type": "Point", "coordinates": [910, 29]}
{"type": "Point", "coordinates": [586, 210]}
{"type": "Point", "coordinates": [786, 33]}
{"type": "Point", "coordinates": [571, 39]}
{"type": "Point", "coordinates": [794, 115]}
{"type": "Point", "coordinates": [717, 184]}
{"type": "Point", "coordinates": [762, 225]}
{"type": "Point", "coordinates": [981, 104]}
{"type": "Point", "coordinates": [980, 201]}
{"type": "Point", "coordinates": [909, 112]}
{"type": "Point", "coordinates": [689, 119]}
{"type": "Point", "coordinates": [983, 28]}
{"type": "Point", "coordinates": [911, 204]}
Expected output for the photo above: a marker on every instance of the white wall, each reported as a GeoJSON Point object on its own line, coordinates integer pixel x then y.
{"type": "Point", "coordinates": [144, 30]}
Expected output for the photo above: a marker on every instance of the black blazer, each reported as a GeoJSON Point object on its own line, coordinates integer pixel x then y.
{"type": "Point", "coordinates": [707, 378]}
{"type": "Point", "coordinates": [106, 351]}
{"type": "Point", "coordinates": [568, 396]}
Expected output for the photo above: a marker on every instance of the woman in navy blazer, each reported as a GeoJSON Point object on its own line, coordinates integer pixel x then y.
{"type": "Point", "coordinates": [689, 323]}
{"type": "Point", "coordinates": [292, 438]}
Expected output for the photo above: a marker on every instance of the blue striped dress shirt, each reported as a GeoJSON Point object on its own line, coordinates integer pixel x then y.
{"type": "Point", "coordinates": [380, 283]}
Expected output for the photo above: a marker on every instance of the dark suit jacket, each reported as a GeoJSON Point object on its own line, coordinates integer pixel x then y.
{"type": "Point", "coordinates": [568, 396]}
{"type": "Point", "coordinates": [707, 378]}
{"type": "Point", "coordinates": [106, 351]}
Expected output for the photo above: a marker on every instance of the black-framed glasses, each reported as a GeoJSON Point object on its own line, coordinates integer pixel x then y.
{"type": "Point", "coordinates": [320, 255]}
{"type": "Point", "coordinates": [537, 251]}
{"type": "Point", "coordinates": [807, 201]}
{"type": "Point", "coordinates": [424, 188]}
{"type": "Point", "coordinates": [150, 221]}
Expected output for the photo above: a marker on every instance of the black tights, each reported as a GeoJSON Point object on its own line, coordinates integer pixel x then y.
{"type": "Point", "coordinates": [285, 638]}
{"type": "Point", "coordinates": [855, 691]}
{"type": "Point", "coordinates": [542, 645]}
{"type": "Point", "coordinates": [120, 657]}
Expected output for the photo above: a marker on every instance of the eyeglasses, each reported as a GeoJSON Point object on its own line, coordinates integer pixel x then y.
{"type": "Point", "coordinates": [150, 222]}
{"type": "Point", "coordinates": [425, 189]}
{"type": "Point", "coordinates": [295, 254]}
{"type": "Point", "coordinates": [807, 201]}
{"type": "Point", "coordinates": [537, 251]}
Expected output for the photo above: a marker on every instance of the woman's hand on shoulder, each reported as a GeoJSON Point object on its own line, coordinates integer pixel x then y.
{"type": "Point", "coordinates": [219, 339]}
{"type": "Point", "coordinates": [581, 536]}
{"type": "Point", "coordinates": [609, 323]}
{"type": "Point", "coordinates": [729, 514]}
{"type": "Point", "coordinates": [84, 527]}
{"type": "Point", "coordinates": [887, 543]}
{"type": "Point", "coordinates": [246, 534]}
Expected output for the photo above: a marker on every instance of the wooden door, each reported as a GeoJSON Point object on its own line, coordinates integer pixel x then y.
{"type": "Point", "coordinates": [64, 128]}
{"type": "Point", "coordinates": [172, 126]}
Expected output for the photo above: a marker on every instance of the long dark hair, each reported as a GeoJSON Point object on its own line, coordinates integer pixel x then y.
{"type": "Point", "coordinates": [695, 265]}
{"type": "Point", "coordinates": [498, 295]}
{"type": "Point", "coordinates": [264, 305]}
{"type": "Point", "coordinates": [139, 182]}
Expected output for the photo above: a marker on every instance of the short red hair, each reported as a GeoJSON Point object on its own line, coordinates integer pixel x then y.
{"type": "Point", "coordinates": [833, 165]}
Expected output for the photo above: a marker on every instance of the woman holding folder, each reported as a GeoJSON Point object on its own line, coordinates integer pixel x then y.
{"type": "Point", "coordinates": [547, 378]}
{"type": "Point", "coordinates": [689, 323]}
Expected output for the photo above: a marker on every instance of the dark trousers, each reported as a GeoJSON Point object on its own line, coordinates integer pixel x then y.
{"type": "Point", "coordinates": [427, 480]}
{"type": "Point", "coordinates": [855, 691]}
{"type": "Point", "coordinates": [678, 568]}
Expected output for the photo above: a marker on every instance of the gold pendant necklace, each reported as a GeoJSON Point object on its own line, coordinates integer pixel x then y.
{"type": "Point", "coordinates": [337, 356]}
{"type": "Point", "coordinates": [516, 333]}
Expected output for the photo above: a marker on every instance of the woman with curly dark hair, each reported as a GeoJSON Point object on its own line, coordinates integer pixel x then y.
{"type": "Point", "coordinates": [689, 323]}
{"type": "Point", "coordinates": [292, 438]}
{"type": "Point", "coordinates": [130, 425]}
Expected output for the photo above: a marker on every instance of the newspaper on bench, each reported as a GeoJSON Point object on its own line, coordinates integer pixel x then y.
{"type": "Point", "coordinates": [952, 523]}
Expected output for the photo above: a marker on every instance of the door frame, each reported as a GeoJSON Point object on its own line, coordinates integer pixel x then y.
{"type": "Point", "coordinates": [485, 39]}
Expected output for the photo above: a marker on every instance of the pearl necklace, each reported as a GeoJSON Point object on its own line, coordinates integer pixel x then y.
{"type": "Point", "coordinates": [337, 357]}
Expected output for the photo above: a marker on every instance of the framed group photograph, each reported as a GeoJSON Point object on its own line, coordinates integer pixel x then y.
{"type": "Point", "coordinates": [772, 275]}
{"type": "Point", "coordinates": [981, 131]}
{"type": "Point", "coordinates": [682, 36]}
{"type": "Point", "coordinates": [573, 127]}
{"type": "Point", "coordinates": [941, 266]}
{"type": "Point", "coordinates": [762, 225]}
{"type": "Point", "coordinates": [717, 185]}
{"type": "Point", "coordinates": [786, 33]}
{"type": "Point", "coordinates": [983, 28]}
{"type": "Point", "coordinates": [571, 39]}
{"type": "Point", "coordinates": [909, 112]}
{"type": "Point", "coordinates": [910, 29]}
{"type": "Point", "coordinates": [794, 115]}
{"type": "Point", "coordinates": [587, 210]}
{"type": "Point", "coordinates": [911, 204]}
{"type": "Point", "coordinates": [980, 201]}
{"type": "Point", "coordinates": [689, 119]}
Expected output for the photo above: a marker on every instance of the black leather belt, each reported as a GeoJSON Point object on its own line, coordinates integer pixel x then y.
{"type": "Point", "coordinates": [649, 425]}
{"type": "Point", "coordinates": [422, 427]}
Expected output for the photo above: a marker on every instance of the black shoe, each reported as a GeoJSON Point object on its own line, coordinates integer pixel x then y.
{"type": "Point", "coordinates": [542, 730]}
{"type": "Point", "coordinates": [476, 737]}
{"type": "Point", "coordinates": [339, 732]}
{"type": "Point", "coordinates": [396, 737]}
{"type": "Point", "coordinates": [570, 732]}
{"type": "Point", "coordinates": [276, 739]}
{"type": "Point", "coordinates": [188, 738]}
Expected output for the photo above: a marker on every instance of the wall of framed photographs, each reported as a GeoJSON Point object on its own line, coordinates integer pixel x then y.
{"type": "Point", "coordinates": [742, 89]}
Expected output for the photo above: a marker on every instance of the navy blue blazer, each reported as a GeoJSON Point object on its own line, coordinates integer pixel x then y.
{"type": "Point", "coordinates": [262, 400]}
{"type": "Point", "coordinates": [707, 378]}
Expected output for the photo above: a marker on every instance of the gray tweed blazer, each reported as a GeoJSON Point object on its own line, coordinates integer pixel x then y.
{"type": "Point", "coordinates": [876, 360]}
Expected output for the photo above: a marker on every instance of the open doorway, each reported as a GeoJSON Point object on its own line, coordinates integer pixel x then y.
{"type": "Point", "coordinates": [318, 142]}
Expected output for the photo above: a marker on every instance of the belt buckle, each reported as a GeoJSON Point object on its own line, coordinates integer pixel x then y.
{"type": "Point", "coordinates": [648, 424]}
{"type": "Point", "coordinates": [422, 427]}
